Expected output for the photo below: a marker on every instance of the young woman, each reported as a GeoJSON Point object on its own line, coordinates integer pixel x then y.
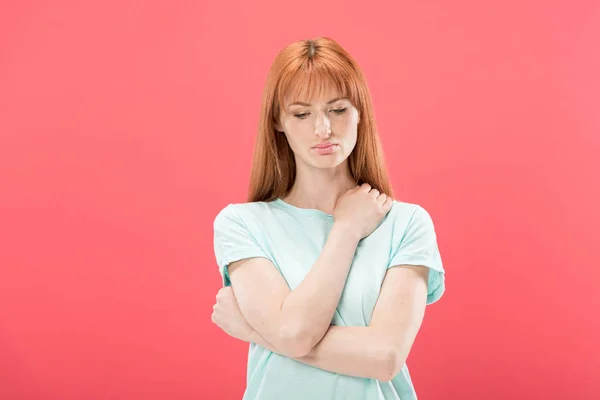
{"type": "Point", "coordinates": [331, 275]}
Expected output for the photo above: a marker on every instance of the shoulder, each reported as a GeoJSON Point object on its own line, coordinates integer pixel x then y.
{"type": "Point", "coordinates": [410, 220]}
{"type": "Point", "coordinates": [404, 212]}
{"type": "Point", "coordinates": [236, 213]}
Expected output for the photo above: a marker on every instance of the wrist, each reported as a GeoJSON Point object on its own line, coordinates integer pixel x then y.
{"type": "Point", "coordinates": [347, 230]}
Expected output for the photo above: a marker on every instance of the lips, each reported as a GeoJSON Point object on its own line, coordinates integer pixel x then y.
{"type": "Point", "coordinates": [323, 145]}
{"type": "Point", "coordinates": [325, 148]}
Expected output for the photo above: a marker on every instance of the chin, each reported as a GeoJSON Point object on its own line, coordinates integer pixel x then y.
{"type": "Point", "coordinates": [330, 161]}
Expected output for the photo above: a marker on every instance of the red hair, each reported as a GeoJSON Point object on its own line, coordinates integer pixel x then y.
{"type": "Point", "coordinates": [301, 71]}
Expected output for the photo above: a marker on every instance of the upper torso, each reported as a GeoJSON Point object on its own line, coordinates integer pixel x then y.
{"type": "Point", "coordinates": [292, 238]}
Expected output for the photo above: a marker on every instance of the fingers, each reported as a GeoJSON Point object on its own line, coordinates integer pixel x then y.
{"type": "Point", "coordinates": [388, 203]}
{"type": "Point", "coordinates": [221, 298]}
{"type": "Point", "coordinates": [213, 316]}
{"type": "Point", "coordinates": [224, 291]}
{"type": "Point", "coordinates": [383, 200]}
{"type": "Point", "coordinates": [375, 193]}
{"type": "Point", "coordinates": [365, 187]}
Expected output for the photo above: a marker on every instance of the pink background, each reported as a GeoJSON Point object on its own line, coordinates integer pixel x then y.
{"type": "Point", "coordinates": [127, 125]}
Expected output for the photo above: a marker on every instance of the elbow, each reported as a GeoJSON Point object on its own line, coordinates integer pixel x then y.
{"type": "Point", "coordinates": [391, 363]}
{"type": "Point", "coordinates": [295, 342]}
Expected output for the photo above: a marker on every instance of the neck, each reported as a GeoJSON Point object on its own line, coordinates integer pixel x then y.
{"type": "Point", "coordinates": [320, 188]}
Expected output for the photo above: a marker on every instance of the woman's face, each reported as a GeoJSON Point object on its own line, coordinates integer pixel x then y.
{"type": "Point", "coordinates": [321, 133]}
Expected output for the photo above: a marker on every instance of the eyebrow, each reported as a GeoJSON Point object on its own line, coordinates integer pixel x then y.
{"type": "Point", "coordinates": [299, 103]}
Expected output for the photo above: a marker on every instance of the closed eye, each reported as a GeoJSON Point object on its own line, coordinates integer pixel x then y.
{"type": "Point", "coordinates": [336, 111]}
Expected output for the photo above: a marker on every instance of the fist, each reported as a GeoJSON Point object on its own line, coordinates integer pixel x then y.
{"type": "Point", "coordinates": [228, 316]}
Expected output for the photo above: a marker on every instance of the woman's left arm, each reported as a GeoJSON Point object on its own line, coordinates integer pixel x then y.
{"type": "Point", "coordinates": [376, 351]}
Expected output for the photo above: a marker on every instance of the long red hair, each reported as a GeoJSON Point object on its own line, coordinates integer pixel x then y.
{"type": "Point", "coordinates": [301, 71]}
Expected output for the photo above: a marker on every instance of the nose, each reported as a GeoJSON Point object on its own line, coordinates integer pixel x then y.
{"type": "Point", "coordinates": [322, 126]}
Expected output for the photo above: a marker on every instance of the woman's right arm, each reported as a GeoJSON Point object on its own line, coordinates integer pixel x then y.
{"type": "Point", "coordinates": [294, 321]}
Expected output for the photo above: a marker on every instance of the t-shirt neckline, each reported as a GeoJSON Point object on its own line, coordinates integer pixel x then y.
{"type": "Point", "coordinates": [305, 211]}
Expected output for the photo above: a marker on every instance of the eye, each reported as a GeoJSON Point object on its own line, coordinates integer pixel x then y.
{"type": "Point", "coordinates": [340, 110]}
{"type": "Point", "coordinates": [337, 111]}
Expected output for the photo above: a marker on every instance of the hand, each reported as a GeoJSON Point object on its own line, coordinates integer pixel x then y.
{"type": "Point", "coordinates": [362, 208]}
{"type": "Point", "coordinates": [228, 316]}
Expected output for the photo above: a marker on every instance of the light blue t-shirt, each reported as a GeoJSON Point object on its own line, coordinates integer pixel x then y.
{"type": "Point", "coordinates": [292, 239]}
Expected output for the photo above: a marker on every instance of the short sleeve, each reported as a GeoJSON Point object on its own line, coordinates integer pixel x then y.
{"type": "Point", "coordinates": [233, 241]}
{"type": "Point", "coordinates": [416, 244]}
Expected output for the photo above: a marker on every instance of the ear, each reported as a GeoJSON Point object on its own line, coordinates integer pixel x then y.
{"type": "Point", "coordinates": [277, 126]}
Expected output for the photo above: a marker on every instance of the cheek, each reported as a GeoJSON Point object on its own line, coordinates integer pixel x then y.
{"type": "Point", "coordinates": [294, 138]}
{"type": "Point", "coordinates": [349, 120]}
{"type": "Point", "coordinates": [350, 134]}
{"type": "Point", "coordinates": [351, 142]}
{"type": "Point", "coordinates": [300, 132]}
{"type": "Point", "coordinates": [347, 127]}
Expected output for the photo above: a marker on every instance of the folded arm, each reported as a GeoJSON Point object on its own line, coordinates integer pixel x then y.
{"type": "Point", "coordinates": [294, 321]}
{"type": "Point", "coordinates": [379, 350]}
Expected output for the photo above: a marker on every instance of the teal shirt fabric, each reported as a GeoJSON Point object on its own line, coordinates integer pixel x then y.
{"type": "Point", "coordinates": [292, 239]}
